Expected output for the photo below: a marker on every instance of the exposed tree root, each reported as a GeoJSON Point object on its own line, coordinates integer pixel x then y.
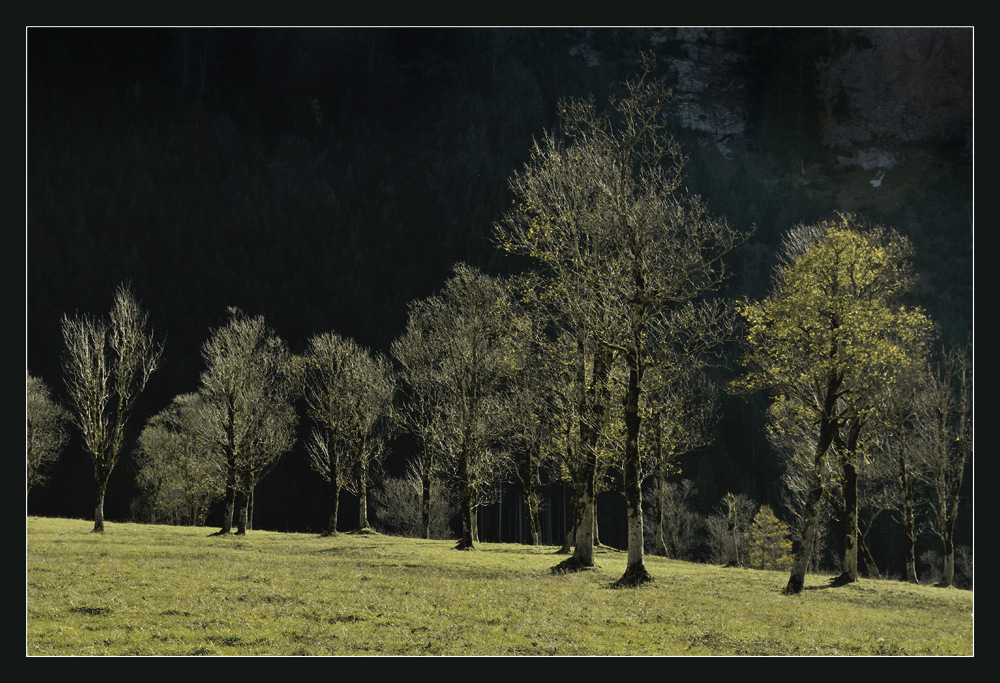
{"type": "Point", "coordinates": [570, 565]}
{"type": "Point", "coordinates": [634, 576]}
{"type": "Point", "coordinates": [842, 580]}
{"type": "Point", "coordinates": [219, 533]}
{"type": "Point", "coordinates": [794, 587]}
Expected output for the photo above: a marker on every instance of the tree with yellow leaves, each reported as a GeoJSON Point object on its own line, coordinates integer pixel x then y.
{"type": "Point", "coordinates": [828, 343]}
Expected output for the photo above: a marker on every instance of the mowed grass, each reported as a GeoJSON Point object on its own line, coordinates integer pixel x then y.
{"type": "Point", "coordinates": [158, 590]}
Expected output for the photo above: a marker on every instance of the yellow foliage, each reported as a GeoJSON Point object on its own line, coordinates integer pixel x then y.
{"type": "Point", "coordinates": [768, 544]}
{"type": "Point", "coordinates": [832, 319]}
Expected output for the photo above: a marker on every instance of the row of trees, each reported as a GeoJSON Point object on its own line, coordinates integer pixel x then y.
{"type": "Point", "coordinates": [595, 359]}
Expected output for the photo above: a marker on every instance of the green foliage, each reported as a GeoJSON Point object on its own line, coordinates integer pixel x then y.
{"type": "Point", "coordinates": [768, 542]}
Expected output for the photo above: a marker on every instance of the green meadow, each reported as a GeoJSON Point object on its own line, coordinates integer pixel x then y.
{"type": "Point", "coordinates": [160, 590]}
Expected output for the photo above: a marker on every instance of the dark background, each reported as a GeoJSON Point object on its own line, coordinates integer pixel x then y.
{"type": "Point", "coordinates": [324, 178]}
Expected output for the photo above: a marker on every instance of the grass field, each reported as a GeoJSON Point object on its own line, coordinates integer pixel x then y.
{"type": "Point", "coordinates": [158, 590]}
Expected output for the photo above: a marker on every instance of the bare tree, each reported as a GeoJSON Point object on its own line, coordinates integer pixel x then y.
{"type": "Point", "coordinates": [678, 415]}
{"type": "Point", "coordinates": [472, 331]}
{"type": "Point", "coordinates": [347, 393]}
{"type": "Point", "coordinates": [421, 410]}
{"type": "Point", "coordinates": [679, 527]}
{"type": "Point", "coordinates": [727, 529]}
{"type": "Point", "coordinates": [906, 407]}
{"type": "Point", "coordinates": [948, 445]}
{"type": "Point", "coordinates": [626, 249]}
{"type": "Point", "coordinates": [559, 223]}
{"type": "Point", "coordinates": [374, 426]}
{"type": "Point", "coordinates": [177, 468]}
{"type": "Point", "coordinates": [246, 391]}
{"type": "Point", "coordinates": [106, 367]}
{"type": "Point", "coordinates": [399, 503]}
{"type": "Point", "coordinates": [46, 432]}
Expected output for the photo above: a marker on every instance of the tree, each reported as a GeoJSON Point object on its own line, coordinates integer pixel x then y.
{"type": "Point", "coordinates": [900, 443]}
{"type": "Point", "coordinates": [558, 224]}
{"type": "Point", "coordinates": [106, 367]}
{"type": "Point", "coordinates": [177, 468]}
{"type": "Point", "coordinates": [626, 250]}
{"type": "Point", "coordinates": [246, 391]}
{"type": "Point", "coordinates": [399, 504]}
{"type": "Point", "coordinates": [347, 393]}
{"type": "Point", "coordinates": [828, 342]}
{"type": "Point", "coordinates": [46, 432]}
{"type": "Point", "coordinates": [421, 411]}
{"type": "Point", "coordinates": [768, 546]}
{"type": "Point", "coordinates": [948, 445]}
{"type": "Point", "coordinates": [727, 529]}
{"type": "Point", "coordinates": [373, 426]}
{"type": "Point", "coordinates": [678, 413]}
{"type": "Point", "coordinates": [472, 331]}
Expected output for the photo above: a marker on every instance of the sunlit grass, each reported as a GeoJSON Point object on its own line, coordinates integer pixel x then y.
{"type": "Point", "coordinates": [158, 590]}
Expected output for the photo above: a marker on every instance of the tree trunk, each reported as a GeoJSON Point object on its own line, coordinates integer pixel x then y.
{"type": "Point", "coordinates": [583, 546]}
{"type": "Point", "coordinates": [467, 541]}
{"type": "Point", "coordinates": [531, 500]}
{"type": "Point", "coordinates": [331, 529]}
{"type": "Point", "coordinates": [909, 520]}
{"type": "Point", "coordinates": [99, 508]}
{"type": "Point", "coordinates": [659, 546]}
{"type": "Point", "coordinates": [948, 537]}
{"type": "Point", "coordinates": [850, 469]}
{"type": "Point", "coordinates": [334, 464]}
{"type": "Point", "coordinates": [230, 450]}
{"type": "Point", "coordinates": [536, 527]}
{"type": "Point", "coordinates": [363, 524]}
{"type": "Point", "coordinates": [250, 509]}
{"type": "Point", "coordinates": [810, 515]}
{"type": "Point", "coordinates": [734, 548]}
{"type": "Point", "coordinates": [849, 574]}
{"type": "Point", "coordinates": [425, 479]}
{"type": "Point", "coordinates": [635, 572]}
{"type": "Point", "coordinates": [227, 515]}
{"type": "Point", "coordinates": [585, 478]}
{"type": "Point", "coordinates": [597, 531]}
{"type": "Point", "coordinates": [242, 500]}
{"type": "Point", "coordinates": [567, 546]}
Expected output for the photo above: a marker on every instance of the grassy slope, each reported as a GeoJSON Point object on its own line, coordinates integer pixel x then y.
{"type": "Point", "coordinates": [176, 591]}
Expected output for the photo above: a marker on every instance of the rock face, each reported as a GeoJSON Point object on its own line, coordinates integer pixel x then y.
{"type": "Point", "coordinates": [856, 91]}
{"type": "Point", "coordinates": [907, 85]}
